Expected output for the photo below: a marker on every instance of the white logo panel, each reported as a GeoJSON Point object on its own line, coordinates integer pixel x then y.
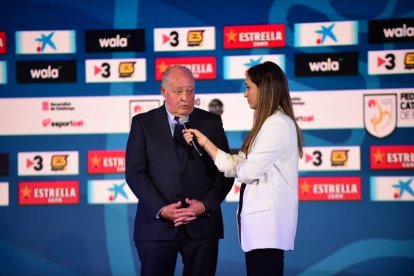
{"type": "Point", "coordinates": [391, 62]}
{"type": "Point", "coordinates": [392, 188]}
{"type": "Point", "coordinates": [330, 159]}
{"type": "Point", "coordinates": [115, 70]}
{"type": "Point", "coordinates": [45, 42]}
{"type": "Point", "coordinates": [235, 67]}
{"type": "Point", "coordinates": [3, 72]}
{"type": "Point", "coordinates": [326, 34]}
{"type": "Point", "coordinates": [184, 39]}
{"type": "Point", "coordinates": [4, 193]}
{"type": "Point", "coordinates": [110, 192]}
{"type": "Point", "coordinates": [48, 163]}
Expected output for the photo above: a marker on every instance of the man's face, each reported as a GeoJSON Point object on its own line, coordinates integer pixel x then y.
{"type": "Point", "coordinates": [179, 94]}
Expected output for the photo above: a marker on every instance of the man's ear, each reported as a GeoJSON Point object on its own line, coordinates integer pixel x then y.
{"type": "Point", "coordinates": [162, 91]}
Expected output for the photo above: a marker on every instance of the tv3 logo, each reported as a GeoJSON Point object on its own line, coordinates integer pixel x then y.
{"type": "Point", "coordinates": [315, 157]}
{"type": "Point", "coordinates": [36, 163]}
{"type": "Point", "coordinates": [388, 61]}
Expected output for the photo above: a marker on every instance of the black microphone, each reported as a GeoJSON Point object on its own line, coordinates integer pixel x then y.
{"type": "Point", "coordinates": [184, 121]}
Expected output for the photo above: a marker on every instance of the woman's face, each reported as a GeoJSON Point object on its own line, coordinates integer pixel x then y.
{"type": "Point", "coordinates": [251, 93]}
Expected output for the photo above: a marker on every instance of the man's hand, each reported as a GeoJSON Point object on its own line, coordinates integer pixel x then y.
{"type": "Point", "coordinates": [173, 213]}
{"type": "Point", "coordinates": [185, 215]}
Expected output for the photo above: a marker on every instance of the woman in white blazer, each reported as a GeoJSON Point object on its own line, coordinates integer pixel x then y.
{"type": "Point", "coordinates": [267, 165]}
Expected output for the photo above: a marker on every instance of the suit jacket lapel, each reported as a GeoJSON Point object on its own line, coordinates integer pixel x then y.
{"type": "Point", "coordinates": [163, 125]}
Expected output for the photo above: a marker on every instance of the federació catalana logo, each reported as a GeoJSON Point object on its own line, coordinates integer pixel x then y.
{"type": "Point", "coordinates": [380, 114]}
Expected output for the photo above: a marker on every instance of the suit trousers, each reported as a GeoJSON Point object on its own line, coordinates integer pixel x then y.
{"type": "Point", "coordinates": [265, 262]}
{"type": "Point", "coordinates": [158, 258]}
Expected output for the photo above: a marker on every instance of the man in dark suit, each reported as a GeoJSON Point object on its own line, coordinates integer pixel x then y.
{"type": "Point", "coordinates": [179, 194]}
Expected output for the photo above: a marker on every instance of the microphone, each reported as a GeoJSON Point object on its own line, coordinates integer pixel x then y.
{"type": "Point", "coordinates": [184, 122]}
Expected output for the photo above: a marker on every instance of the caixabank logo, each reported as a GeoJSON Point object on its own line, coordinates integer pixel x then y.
{"type": "Point", "coordinates": [392, 188]}
{"type": "Point", "coordinates": [125, 40]}
{"type": "Point", "coordinates": [322, 34]}
{"type": "Point", "coordinates": [46, 42]}
{"type": "Point", "coordinates": [49, 71]}
{"type": "Point", "coordinates": [391, 31]}
{"type": "Point", "coordinates": [327, 64]}
{"type": "Point", "coordinates": [235, 67]}
{"type": "Point", "coordinates": [114, 191]}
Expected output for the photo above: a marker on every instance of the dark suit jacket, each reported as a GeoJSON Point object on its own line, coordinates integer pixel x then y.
{"type": "Point", "coordinates": [155, 177]}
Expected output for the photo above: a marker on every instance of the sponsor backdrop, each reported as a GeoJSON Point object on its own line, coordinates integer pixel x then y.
{"type": "Point", "coordinates": [73, 73]}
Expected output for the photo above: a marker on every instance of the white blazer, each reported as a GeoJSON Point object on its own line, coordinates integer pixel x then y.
{"type": "Point", "coordinates": [270, 202]}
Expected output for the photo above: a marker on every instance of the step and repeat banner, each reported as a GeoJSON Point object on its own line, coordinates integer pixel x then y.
{"type": "Point", "coordinates": [73, 74]}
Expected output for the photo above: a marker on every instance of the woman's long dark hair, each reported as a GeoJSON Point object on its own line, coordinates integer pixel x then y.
{"type": "Point", "coordinates": [273, 96]}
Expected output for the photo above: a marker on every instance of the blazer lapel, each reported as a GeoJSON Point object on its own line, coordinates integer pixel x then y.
{"type": "Point", "coordinates": [161, 122]}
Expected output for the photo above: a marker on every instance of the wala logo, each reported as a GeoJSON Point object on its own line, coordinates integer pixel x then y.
{"type": "Point", "coordinates": [254, 36]}
{"type": "Point", "coordinates": [49, 192]}
{"type": "Point", "coordinates": [392, 157]}
{"type": "Point", "coordinates": [334, 64]}
{"type": "Point", "coordinates": [380, 114]}
{"type": "Point", "coordinates": [106, 161]}
{"type": "Point", "coordinates": [3, 44]}
{"type": "Point", "coordinates": [329, 188]}
{"type": "Point", "coordinates": [203, 68]}
{"type": "Point", "coordinates": [48, 73]}
{"type": "Point", "coordinates": [395, 30]}
{"type": "Point", "coordinates": [115, 41]}
{"type": "Point", "coordinates": [53, 71]}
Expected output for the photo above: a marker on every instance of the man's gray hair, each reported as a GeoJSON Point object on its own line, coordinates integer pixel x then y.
{"type": "Point", "coordinates": [166, 75]}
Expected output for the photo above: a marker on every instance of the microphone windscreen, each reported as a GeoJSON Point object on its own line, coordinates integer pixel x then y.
{"type": "Point", "coordinates": [183, 120]}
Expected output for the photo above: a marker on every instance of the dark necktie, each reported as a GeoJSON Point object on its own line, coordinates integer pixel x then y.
{"type": "Point", "coordinates": [242, 187]}
{"type": "Point", "coordinates": [179, 141]}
